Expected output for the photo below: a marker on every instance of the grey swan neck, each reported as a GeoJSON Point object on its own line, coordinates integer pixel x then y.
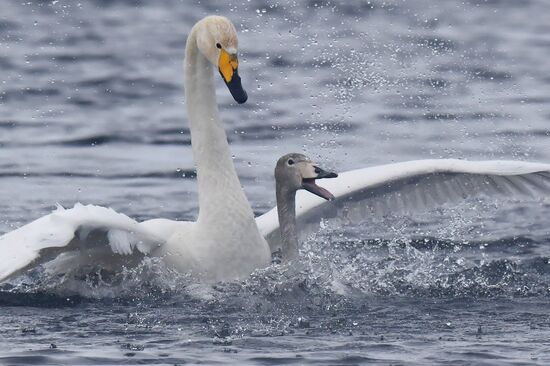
{"type": "Point", "coordinates": [286, 210]}
{"type": "Point", "coordinates": [219, 188]}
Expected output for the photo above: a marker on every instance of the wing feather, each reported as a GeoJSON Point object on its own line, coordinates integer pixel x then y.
{"type": "Point", "coordinates": [81, 227]}
{"type": "Point", "coordinates": [410, 186]}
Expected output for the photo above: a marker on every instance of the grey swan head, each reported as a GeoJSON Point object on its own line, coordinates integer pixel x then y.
{"type": "Point", "coordinates": [293, 172]}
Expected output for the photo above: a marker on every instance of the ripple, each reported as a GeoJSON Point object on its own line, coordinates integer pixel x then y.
{"type": "Point", "coordinates": [28, 93]}
{"type": "Point", "coordinates": [176, 174]}
{"type": "Point", "coordinates": [435, 43]}
{"type": "Point", "coordinates": [6, 64]}
{"type": "Point", "coordinates": [38, 299]}
{"type": "Point", "coordinates": [444, 116]}
{"type": "Point", "coordinates": [96, 140]}
{"type": "Point", "coordinates": [477, 72]}
{"type": "Point", "coordinates": [8, 25]}
{"type": "Point", "coordinates": [271, 132]}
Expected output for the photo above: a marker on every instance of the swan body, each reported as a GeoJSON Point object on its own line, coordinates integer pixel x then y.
{"type": "Point", "coordinates": [223, 244]}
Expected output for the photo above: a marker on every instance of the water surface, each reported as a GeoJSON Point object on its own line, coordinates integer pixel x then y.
{"type": "Point", "coordinates": [92, 111]}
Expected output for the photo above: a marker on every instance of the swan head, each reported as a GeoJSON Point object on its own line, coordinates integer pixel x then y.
{"type": "Point", "coordinates": [296, 171]}
{"type": "Point", "coordinates": [218, 43]}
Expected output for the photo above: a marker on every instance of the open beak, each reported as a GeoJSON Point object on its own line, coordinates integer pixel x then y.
{"type": "Point", "coordinates": [228, 66]}
{"type": "Point", "coordinates": [309, 183]}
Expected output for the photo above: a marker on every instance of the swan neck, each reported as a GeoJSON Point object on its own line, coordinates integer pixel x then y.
{"type": "Point", "coordinates": [219, 187]}
{"type": "Point", "coordinates": [286, 210]}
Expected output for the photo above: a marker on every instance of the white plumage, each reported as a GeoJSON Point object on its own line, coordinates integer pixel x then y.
{"type": "Point", "coordinates": [67, 230]}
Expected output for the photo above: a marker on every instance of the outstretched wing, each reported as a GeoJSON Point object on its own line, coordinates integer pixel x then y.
{"type": "Point", "coordinates": [410, 186]}
{"type": "Point", "coordinates": [97, 229]}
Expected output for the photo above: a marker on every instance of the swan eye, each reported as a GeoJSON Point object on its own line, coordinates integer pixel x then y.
{"type": "Point", "coordinates": [219, 45]}
{"type": "Point", "coordinates": [290, 162]}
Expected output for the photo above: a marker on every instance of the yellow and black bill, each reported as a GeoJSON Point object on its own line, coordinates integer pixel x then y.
{"type": "Point", "coordinates": [228, 67]}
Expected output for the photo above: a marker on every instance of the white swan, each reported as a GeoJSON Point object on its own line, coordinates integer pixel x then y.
{"type": "Point", "coordinates": [226, 242]}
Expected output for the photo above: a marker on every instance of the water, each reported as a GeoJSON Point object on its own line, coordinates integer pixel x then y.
{"type": "Point", "coordinates": [91, 110]}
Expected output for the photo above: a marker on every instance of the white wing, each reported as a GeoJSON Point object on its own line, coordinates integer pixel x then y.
{"type": "Point", "coordinates": [98, 231]}
{"type": "Point", "coordinates": [410, 186]}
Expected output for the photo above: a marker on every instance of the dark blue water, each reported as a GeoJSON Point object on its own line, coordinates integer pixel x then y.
{"type": "Point", "coordinates": [92, 110]}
